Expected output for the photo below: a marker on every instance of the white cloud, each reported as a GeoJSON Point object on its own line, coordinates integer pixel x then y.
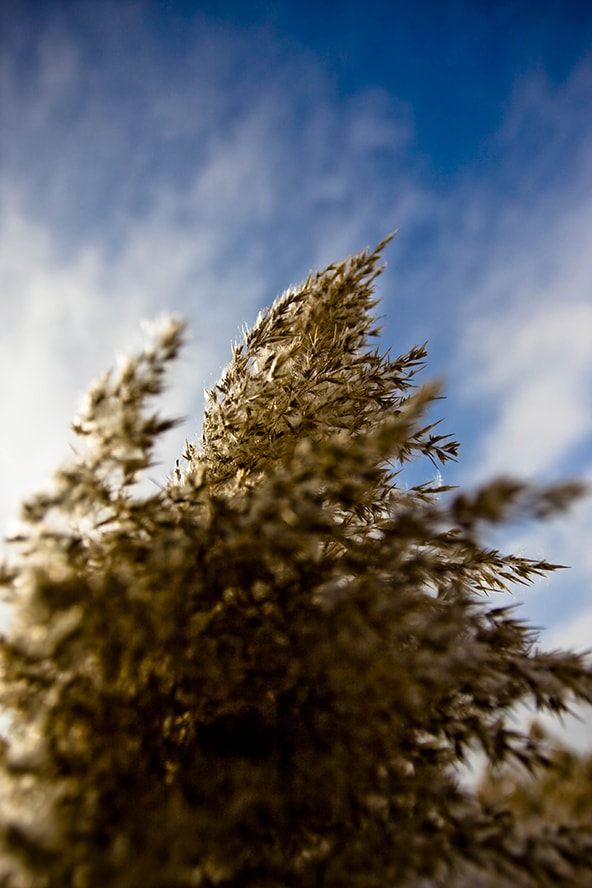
{"type": "Point", "coordinates": [534, 361]}
{"type": "Point", "coordinates": [575, 634]}
{"type": "Point", "coordinates": [525, 358]}
{"type": "Point", "coordinates": [527, 374]}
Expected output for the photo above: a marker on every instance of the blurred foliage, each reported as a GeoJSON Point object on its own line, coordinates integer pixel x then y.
{"type": "Point", "coordinates": [269, 672]}
{"type": "Point", "coordinates": [554, 798]}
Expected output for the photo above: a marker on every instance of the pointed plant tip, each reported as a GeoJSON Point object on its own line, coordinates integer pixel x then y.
{"type": "Point", "coordinates": [168, 330]}
{"type": "Point", "coordinates": [386, 240]}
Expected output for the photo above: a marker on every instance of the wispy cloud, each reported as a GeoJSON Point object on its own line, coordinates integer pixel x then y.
{"type": "Point", "coordinates": [524, 368]}
{"type": "Point", "coordinates": [531, 360]}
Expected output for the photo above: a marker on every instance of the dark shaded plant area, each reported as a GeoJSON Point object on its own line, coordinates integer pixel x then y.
{"type": "Point", "coordinates": [267, 672]}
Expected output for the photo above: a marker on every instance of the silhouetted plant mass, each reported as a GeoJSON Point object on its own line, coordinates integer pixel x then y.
{"type": "Point", "coordinates": [268, 672]}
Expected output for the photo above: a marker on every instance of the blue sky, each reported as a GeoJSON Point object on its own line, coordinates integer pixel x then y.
{"type": "Point", "coordinates": [201, 157]}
